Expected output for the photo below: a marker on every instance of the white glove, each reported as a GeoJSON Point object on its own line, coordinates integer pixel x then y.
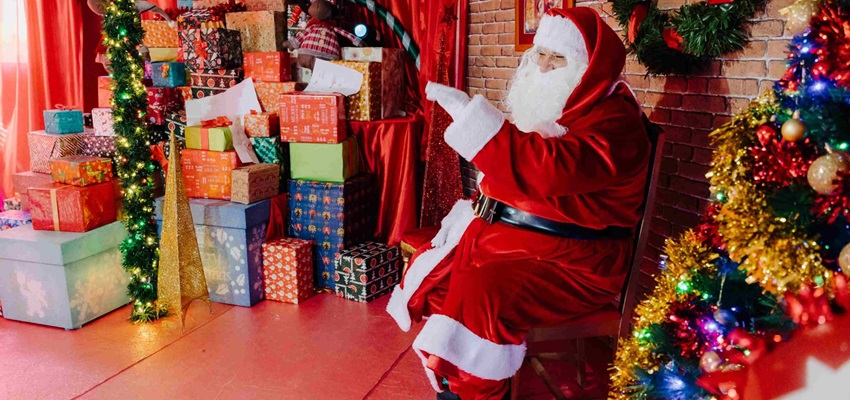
{"type": "Point", "coordinates": [550, 130]}
{"type": "Point", "coordinates": [451, 99]}
{"type": "Point", "coordinates": [454, 224]}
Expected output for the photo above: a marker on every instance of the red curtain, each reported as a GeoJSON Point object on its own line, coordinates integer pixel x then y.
{"type": "Point", "coordinates": [41, 66]}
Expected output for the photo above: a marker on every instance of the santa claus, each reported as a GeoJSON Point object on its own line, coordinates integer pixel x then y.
{"type": "Point", "coordinates": [548, 238]}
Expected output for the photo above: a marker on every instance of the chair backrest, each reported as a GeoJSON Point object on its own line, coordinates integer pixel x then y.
{"type": "Point", "coordinates": [628, 297]}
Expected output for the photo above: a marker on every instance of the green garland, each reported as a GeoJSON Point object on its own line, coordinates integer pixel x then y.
{"type": "Point", "coordinates": [706, 31]}
{"type": "Point", "coordinates": [122, 31]}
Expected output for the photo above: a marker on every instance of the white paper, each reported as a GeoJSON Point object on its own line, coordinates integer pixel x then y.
{"type": "Point", "coordinates": [233, 103]}
{"type": "Point", "coordinates": [334, 78]}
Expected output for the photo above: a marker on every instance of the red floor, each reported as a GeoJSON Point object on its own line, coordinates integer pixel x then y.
{"type": "Point", "coordinates": [325, 348]}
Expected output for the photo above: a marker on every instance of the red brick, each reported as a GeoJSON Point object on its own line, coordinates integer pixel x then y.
{"type": "Point", "coordinates": [754, 49]}
{"type": "Point", "coordinates": [474, 51]}
{"type": "Point", "coordinates": [507, 15]}
{"type": "Point", "coordinates": [766, 85]}
{"type": "Point", "coordinates": [741, 87]}
{"type": "Point", "coordinates": [495, 27]}
{"type": "Point", "coordinates": [490, 5]}
{"type": "Point", "coordinates": [475, 82]}
{"type": "Point", "coordinates": [771, 28]}
{"type": "Point", "coordinates": [507, 4]}
{"type": "Point", "coordinates": [675, 134]}
{"type": "Point", "coordinates": [485, 61]}
{"type": "Point", "coordinates": [680, 217]}
{"type": "Point", "coordinates": [694, 188]}
{"type": "Point", "coordinates": [496, 84]}
{"type": "Point", "coordinates": [476, 91]}
{"type": "Point", "coordinates": [668, 84]}
{"type": "Point", "coordinates": [777, 69]}
{"type": "Point", "coordinates": [691, 119]}
{"type": "Point", "coordinates": [663, 99]}
{"type": "Point", "coordinates": [474, 8]}
{"type": "Point", "coordinates": [777, 48]}
{"type": "Point", "coordinates": [692, 170]}
{"type": "Point", "coordinates": [669, 4]}
{"type": "Point", "coordinates": [476, 18]}
{"type": "Point", "coordinates": [509, 27]}
{"type": "Point", "coordinates": [720, 120]}
{"type": "Point", "coordinates": [744, 68]}
{"type": "Point", "coordinates": [474, 40]}
{"type": "Point", "coordinates": [660, 227]}
{"type": "Point", "coordinates": [634, 67]}
{"type": "Point", "coordinates": [703, 156]}
{"type": "Point", "coordinates": [667, 151]}
{"type": "Point", "coordinates": [700, 138]}
{"type": "Point", "coordinates": [475, 72]}
{"type": "Point", "coordinates": [737, 105]}
{"type": "Point", "coordinates": [709, 68]}
{"type": "Point", "coordinates": [506, 38]}
{"type": "Point", "coordinates": [682, 152]}
{"type": "Point", "coordinates": [500, 73]}
{"type": "Point", "coordinates": [713, 104]}
{"type": "Point", "coordinates": [773, 7]}
{"type": "Point", "coordinates": [669, 166]}
{"type": "Point", "coordinates": [489, 39]}
{"type": "Point", "coordinates": [510, 51]}
{"type": "Point", "coordinates": [659, 116]}
{"type": "Point", "coordinates": [697, 85]}
{"type": "Point", "coordinates": [489, 17]}
{"type": "Point", "coordinates": [637, 81]}
{"type": "Point", "coordinates": [476, 29]}
{"type": "Point", "coordinates": [491, 50]}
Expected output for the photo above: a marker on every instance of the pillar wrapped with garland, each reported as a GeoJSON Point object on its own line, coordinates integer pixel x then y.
{"type": "Point", "coordinates": [772, 255]}
{"type": "Point", "coordinates": [122, 32]}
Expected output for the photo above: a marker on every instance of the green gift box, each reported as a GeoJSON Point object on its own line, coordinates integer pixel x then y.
{"type": "Point", "coordinates": [271, 150]}
{"type": "Point", "coordinates": [213, 139]}
{"type": "Point", "coordinates": [326, 162]}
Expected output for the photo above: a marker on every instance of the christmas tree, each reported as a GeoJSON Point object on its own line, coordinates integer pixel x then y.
{"type": "Point", "coordinates": [770, 256]}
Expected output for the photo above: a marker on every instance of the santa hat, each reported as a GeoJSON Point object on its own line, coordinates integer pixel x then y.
{"type": "Point", "coordinates": [562, 36]}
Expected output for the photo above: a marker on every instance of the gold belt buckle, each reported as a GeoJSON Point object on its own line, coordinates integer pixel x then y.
{"type": "Point", "coordinates": [485, 208]}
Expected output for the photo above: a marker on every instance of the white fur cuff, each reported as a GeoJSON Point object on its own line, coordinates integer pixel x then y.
{"type": "Point", "coordinates": [561, 35]}
{"type": "Point", "coordinates": [477, 123]}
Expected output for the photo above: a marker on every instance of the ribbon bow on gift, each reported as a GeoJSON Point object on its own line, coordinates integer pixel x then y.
{"type": "Point", "coordinates": [216, 123]}
{"type": "Point", "coordinates": [165, 68]}
{"type": "Point", "coordinates": [64, 107]}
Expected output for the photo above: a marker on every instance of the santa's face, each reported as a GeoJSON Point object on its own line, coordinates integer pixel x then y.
{"type": "Point", "coordinates": [541, 86]}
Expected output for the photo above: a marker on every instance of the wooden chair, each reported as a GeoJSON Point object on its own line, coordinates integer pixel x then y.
{"type": "Point", "coordinates": [610, 320]}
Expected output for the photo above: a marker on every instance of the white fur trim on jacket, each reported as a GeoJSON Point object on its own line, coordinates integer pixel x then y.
{"type": "Point", "coordinates": [452, 226]}
{"type": "Point", "coordinates": [453, 342]}
{"type": "Point", "coordinates": [475, 126]}
{"type": "Point", "coordinates": [561, 35]}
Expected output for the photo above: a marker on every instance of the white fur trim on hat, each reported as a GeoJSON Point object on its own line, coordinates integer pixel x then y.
{"type": "Point", "coordinates": [562, 36]}
{"type": "Point", "coordinates": [477, 123]}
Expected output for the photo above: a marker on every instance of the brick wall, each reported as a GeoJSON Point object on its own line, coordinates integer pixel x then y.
{"type": "Point", "coordinates": [688, 108]}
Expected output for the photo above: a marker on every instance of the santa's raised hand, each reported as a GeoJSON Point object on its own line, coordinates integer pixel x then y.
{"type": "Point", "coordinates": [451, 99]}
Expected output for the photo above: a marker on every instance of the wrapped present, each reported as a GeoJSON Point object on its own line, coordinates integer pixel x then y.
{"type": "Point", "coordinates": [63, 121]}
{"type": "Point", "coordinates": [301, 75]}
{"type": "Point", "coordinates": [45, 146]}
{"type": "Point", "coordinates": [185, 93]}
{"type": "Point", "coordinates": [176, 121]}
{"type": "Point", "coordinates": [207, 3]}
{"type": "Point", "coordinates": [88, 122]}
{"type": "Point", "coordinates": [210, 48]}
{"type": "Point", "coordinates": [101, 146]}
{"type": "Point", "coordinates": [22, 181]}
{"type": "Point", "coordinates": [11, 203]}
{"type": "Point", "coordinates": [288, 270]}
{"type": "Point", "coordinates": [268, 93]}
{"type": "Point", "coordinates": [207, 174]}
{"type": "Point", "coordinates": [230, 239]}
{"type": "Point", "coordinates": [148, 70]}
{"type": "Point", "coordinates": [272, 66]}
{"type": "Point", "coordinates": [367, 271]}
{"type": "Point", "coordinates": [104, 91]}
{"type": "Point", "coordinates": [169, 74]}
{"type": "Point", "coordinates": [365, 105]}
{"type": "Point", "coordinates": [265, 5]}
{"type": "Point", "coordinates": [81, 170]}
{"type": "Point", "coordinates": [212, 135]}
{"type": "Point", "coordinates": [200, 93]}
{"type": "Point", "coordinates": [163, 54]}
{"type": "Point", "coordinates": [392, 74]}
{"type": "Point", "coordinates": [184, 3]}
{"type": "Point", "coordinates": [220, 79]}
{"type": "Point", "coordinates": [334, 215]}
{"type": "Point", "coordinates": [255, 182]}
{"type": "Point", "coordinates": [62, 279]}
{"type": "Point", "coordinates": [160, 33]}
{"type": "Point", "coordinates": [162, 100]}
{"type": "Point", "coordinates": [14, 218]}
{"type": "Point", "coordinates": [324, 161]}
{"type": "Point", "coordinates": [271, 150]}
{"type": "Point", "coordinates": [102, 121]}
{"type": "Point", "coordinates": [261, 124]}
{"type": "Point", "coordinates": [67, 208]}
{"type": "Point", "coordinates": [260, 30]}
{"type": "Point", "coordinates": [313, 117]}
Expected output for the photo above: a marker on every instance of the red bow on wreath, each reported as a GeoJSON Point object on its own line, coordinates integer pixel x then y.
{"type": "Point", "coordinates": [673, 39]}
{"type": "Point", "coordinates": [635, 19]}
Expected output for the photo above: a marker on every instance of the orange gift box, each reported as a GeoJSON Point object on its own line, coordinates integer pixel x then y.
{"type": "Point", "coordinates": [104, 92]}
{"type": "Point", "coordinates": [160, 34]}
{"type": "Point", "coordinates": [312, 118]}
{"type": "Point", "coordinates": [288, 270]}
{"type": "Point", "coordinates": [67, 208]}
{"type": "Point", "coordinates": [262, 125]}
{"type": "Point", "coordinates": [81, 170]}
{"type": "Point", "coordinates": [269, 93]}
{"type": "Point", "coordinates": [207, 174]}
{"type": "Point", "coordinates": [185, 93]}
{"type": "Point", "coordinates": [272, 66]}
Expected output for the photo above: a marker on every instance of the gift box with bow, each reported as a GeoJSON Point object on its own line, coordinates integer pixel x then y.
{"type": "Point", "coordinates": [62, 120]}
{"type": "Point", "coordinates": [81, 170]}
{"type": "Point", "coordinates": [212, 135]}
{"type": "Point", "coordinates": [168, 74]}
{"type": "Point", "coordinates": [272, 66]}
{"type": "Point", "coordinates": [67, 208]}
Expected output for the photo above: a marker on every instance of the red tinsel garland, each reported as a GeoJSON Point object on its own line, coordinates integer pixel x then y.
{"type": "Point", "coordinates": [831, 28]}
{"type": "Point", "coordinates": [838, 203]}
{"type": "Point", "coordinates": [707, 230]}
{"type": "Point", "coordinates": [780, 162]}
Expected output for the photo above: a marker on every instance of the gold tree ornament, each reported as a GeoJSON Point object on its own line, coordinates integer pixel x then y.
{"type": "Point", "coordinates": [844, 259]}
{"type": "Point", "coordinates": [181, 272]}
{"type": "Point", "coordinates": [793, 129]}
{"type": "Point", "coordinates": [823, 172]}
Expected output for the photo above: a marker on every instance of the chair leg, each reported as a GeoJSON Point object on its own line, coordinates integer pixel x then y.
{"type": "Point", "coordinates": [541, 372]}
{"type": "Point", "coordinates": [581, 372]}
{"type": "Point", "coordinates": [515, 386]}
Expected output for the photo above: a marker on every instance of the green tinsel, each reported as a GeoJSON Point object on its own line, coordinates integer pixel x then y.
{"type": "Point", "coordinates": [122, 31]}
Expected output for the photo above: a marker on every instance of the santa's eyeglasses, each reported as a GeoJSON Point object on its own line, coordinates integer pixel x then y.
{"type": "Point", "coordinates": [553, 59]}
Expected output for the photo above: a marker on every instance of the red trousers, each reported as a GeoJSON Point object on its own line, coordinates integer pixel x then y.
{"type": "Point", "coordinates": [482, 295]}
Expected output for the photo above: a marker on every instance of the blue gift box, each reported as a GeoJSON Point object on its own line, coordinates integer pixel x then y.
{"type": "Point", "coordinates": [184, 3]}
{"type": "Point", "coordinates": [13, 219]}
{"type": "Point", "coordinates": [62, 279]}
{"type": "Point", "coordinates": [334, 215]}
{"type": "Point", "coordinates": [63, 121]}
{"type": "Point", "coordinates": [230, 238]}
{"type": "Point", "coordinates": [168, 74]}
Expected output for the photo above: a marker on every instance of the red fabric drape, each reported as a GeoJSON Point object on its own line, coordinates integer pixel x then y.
{"type": "Point", "coordinates": [41, 61]}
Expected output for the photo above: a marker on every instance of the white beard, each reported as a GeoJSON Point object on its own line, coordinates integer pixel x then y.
{"type": "Point", "coordinates": [535, 97]}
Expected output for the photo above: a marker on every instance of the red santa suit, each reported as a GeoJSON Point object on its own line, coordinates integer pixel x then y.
{"type": "Point", "coordinates": [482, 286]}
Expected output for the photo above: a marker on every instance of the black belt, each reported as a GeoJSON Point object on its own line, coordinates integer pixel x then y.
{"type": "Point", "coordinates": [492, 210]}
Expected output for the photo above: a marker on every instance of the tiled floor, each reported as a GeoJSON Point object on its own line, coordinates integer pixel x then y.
{"type": "Point", "coordinates": [325, 348]}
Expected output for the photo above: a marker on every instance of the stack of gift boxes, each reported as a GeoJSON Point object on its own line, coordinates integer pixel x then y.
{"type": "Point", "coordinates": [59, 258]}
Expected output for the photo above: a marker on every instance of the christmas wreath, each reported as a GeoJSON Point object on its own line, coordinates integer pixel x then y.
{"type": "Point", "coordinates": [679, 41]}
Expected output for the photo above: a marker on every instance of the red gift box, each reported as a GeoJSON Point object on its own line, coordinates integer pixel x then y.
{"type": "Point", "coordinates": [104, 92]}
{"type": "Point", "coordinates": [273, 66]}
{"type": "Point", "coordinates": [161, 101]}
{"type": "Point", "coordinates": [288, 270]}
{"type": "Point", "coordinates": [312, 117]}
{"type": "Point", "coordinates": [66, 208]}
{"type": "Point", "coordinates": [208, 174]}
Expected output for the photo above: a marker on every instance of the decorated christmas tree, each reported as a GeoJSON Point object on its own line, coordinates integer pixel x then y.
{"type": "Point", "coordinates": [770, 257]}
